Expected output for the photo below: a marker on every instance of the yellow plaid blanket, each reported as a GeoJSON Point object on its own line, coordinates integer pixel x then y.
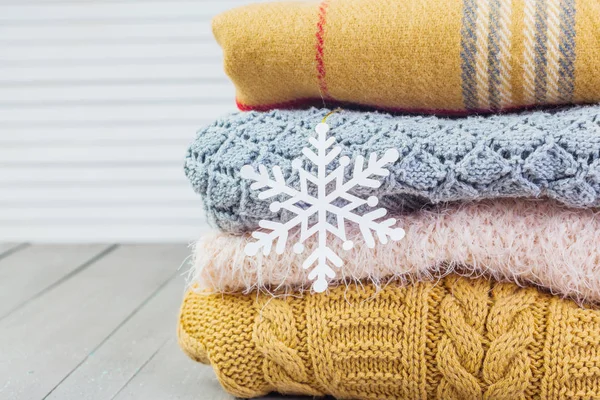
{"type": "Point", "coordinates": [444, 56]}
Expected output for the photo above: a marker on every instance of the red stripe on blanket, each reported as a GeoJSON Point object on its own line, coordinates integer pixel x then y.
{"type": "Point", "coordinates": [319, 56]}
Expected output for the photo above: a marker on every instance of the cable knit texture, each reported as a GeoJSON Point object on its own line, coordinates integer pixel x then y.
{"type": "Point", "coordinates": [522, 241]}
{"type": "Point", "coordinates": [461, 339]}
{"type": "Point", "coordinates": [554, 154]}
{"type": "Point", "coordinates": [461, 349]}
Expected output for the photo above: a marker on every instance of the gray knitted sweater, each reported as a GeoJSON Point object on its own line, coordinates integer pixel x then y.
{"type": "Point", "coordinates": [554, 154]}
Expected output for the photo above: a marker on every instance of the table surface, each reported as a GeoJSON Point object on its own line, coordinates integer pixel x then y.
{"type": "Point", "coordinates": [96, 322]}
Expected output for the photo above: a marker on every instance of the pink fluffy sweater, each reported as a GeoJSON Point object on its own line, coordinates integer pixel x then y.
{"type": "Point", "coordinates": [528, 242]}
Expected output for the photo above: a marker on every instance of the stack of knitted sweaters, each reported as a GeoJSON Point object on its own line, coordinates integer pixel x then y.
{"type": "Point", "coordinates": [493, 291]}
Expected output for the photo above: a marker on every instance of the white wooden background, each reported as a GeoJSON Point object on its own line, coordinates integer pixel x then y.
{"type": "Point", "coordinates": [99, 100]}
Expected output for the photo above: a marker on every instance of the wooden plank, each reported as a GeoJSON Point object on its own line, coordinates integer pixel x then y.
{"type": "Point", "coordinates": [27, 273]}
{"type": "Point", "coordinates": [65, 325]}
{"type": "Point", "coordinates": [89, 232]}
{"type": "Point", "coordinates": [98, 94]}
{"type": "Point", "coordinates": [130, 213]}
{"type": "Point", "coordinates": [126, 195]}
{"type": "Point", "coordinates": [171, 375]}
{"type": "Point", "coordinates": [117, 360]}
{"type": "Point", "coordinates": [37, 2]}
{"type": "Point", "coordinates": [93, 154]}
{"type": "Point", "coordinates": [100, 12]}
{"type": "Point", "coordinates": [151, 71]}
{"type": "Point", "coordinates": [82, 132]}
{"type": "Point", "coordinates": [26, 174]}
{"type": "Point", "coordinates": [106, 124]}
{"type": "Point", "coordinates": [149, 112]}
{"type": "Point", "coordinates": [107, 33]}
{"type": "Point", "coordinates": [107, 52]}
{"type": "Point", "coordinates": [6, 248]}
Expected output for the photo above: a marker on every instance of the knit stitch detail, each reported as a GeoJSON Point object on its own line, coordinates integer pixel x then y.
{"type": "Point", "coordinates": [554, 154]}
{"type": "Point", "coordinates": [276, 338]}
{"type": "Point", "coordinates": [462, 348]}
{"type": "Point", "coordinates": [203, 342]}
{"type": "Point", "coordinates": [510, 329]}
{"type": "Point", "coordinates": [528, 242]}
{"type": "Point", "coordinates": [462, 338]}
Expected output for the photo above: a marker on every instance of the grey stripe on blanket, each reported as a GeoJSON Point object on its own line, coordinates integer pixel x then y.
{"type": "Point", "coordinates": [531, 154]}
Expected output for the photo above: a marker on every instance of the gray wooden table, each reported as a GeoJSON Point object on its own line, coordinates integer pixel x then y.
{"type": "Point", "coordinates": [95, 322]}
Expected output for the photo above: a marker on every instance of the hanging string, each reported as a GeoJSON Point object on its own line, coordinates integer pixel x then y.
{"type": "Point", "coordinates": [330, 113]}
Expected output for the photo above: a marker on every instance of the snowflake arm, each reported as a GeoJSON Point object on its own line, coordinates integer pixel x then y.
{"type": "Point", "coordinates": [362, 176]}
{"type": "Point", "coordinates": [321, 271]}
{"type": "Point", "coordinates": [383, 229]}
{"type": "Point", "coordinates": [275, 186]}
{"type": "Point", "coordinates": [264, 240]}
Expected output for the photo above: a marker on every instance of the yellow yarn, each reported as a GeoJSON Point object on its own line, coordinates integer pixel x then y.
{"type": "Point", "coordinates": [283, 367]}
{"type": "Point", "coordinates": [461, 350]}
{"type": "Point", "coordinates": [458, 339]}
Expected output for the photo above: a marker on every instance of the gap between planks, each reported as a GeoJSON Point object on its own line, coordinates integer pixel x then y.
{"type": "Point", "coordinates": [49, 337]}
{"type": "Point", "coordinates": [139, 356]}
{"type": "Point", "coordinates": [28, 274]}
{"type": "Point", "coordinates": [6, 249]}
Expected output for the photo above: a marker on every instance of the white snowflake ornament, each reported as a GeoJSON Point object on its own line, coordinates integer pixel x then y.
{"type": "Point", "coordinates": [330, 189]}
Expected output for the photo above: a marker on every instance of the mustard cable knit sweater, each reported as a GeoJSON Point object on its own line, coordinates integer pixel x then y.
{"type": "Point", "coordinates": [458, 339]}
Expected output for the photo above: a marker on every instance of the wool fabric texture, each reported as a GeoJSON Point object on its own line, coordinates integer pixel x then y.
{"type": "Point", "coordinates": [527, 242]}
{"type": "Point", "coordinates": [554, 154]}
{"type": "Point", "coordinates": [459, 339]}
{"type": "Point", "coordinates": [452, 56]}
